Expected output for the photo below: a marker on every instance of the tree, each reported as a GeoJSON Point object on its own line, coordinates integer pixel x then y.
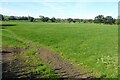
{"type": "Point", "coordinates": [99, 19]}
{"type": "Point", "coordinates": [108, 20]}
{"type": "Point", "coordinates": [85, 21]}
{"type": "Point", "coordinates": [70, 20]}
{"type": "Point", "coordinates": [114, 21]}
{"type": "Point", "coordinates": [77, 20]}
{"type": "Point", "coordinates": [44, 19]}
{"type": "Point", "coordinates": [1, 17]}
{"type": "Point", "coordinates": [117, 21]}
{"type": "Point", "coordinates": [58, 20]}
{"type": "Point", "coordinates": [23, 18]}
{"type": "Point", "coordinates": [41, 18]}
{"type": "Point", "coordinates": [31, 19]}
{"type": "Point", "coordinates": [53, 19]}
{"type": "Point", "coordinates": [90, 20]}
{"type": "Point", "coordinates": [74, 20]}
{"type": "Point", "coordinates": [12, 18]}
{"type": "Point", "coordinates": [6, 18]}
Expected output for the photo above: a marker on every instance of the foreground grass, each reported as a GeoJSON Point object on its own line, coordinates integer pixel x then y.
{"type": "Point", "coordinates": [91, 46]}
{"type": "Point", "coordinates": [35, 65]}
{"type": "Point", "coordinates": [28, 58]}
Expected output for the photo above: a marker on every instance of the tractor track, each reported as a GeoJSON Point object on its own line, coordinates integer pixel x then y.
{"type": "Point", "coordinates": [61, 67]}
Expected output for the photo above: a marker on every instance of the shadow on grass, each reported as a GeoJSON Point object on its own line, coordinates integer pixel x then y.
{"type": "Point", "coordinates": [3, 26]}
{"type": "Point", "coordinates": [7, 24]}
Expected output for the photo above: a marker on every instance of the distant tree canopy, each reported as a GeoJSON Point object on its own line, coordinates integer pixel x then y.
{"type": "Point", "coordinates": [1, 17]}
{"type": "Point", "coordinates": [44, 19]}
{"type": "Point", "coordinates": [70, 20]}
{"type": "Point", "coordinates": [31, 19]}
{"type": "Point", "coordinates": [106, 20]}
{"type": "Point", "coordinates": [53, 19]}
{"type": "Point", "coordinates": [12, 18]}
{"type": "Point", "coordinates": [23, 18]}
{"type": "Point", "coordinates": [58, 20]}
{"type": "Point", "coordinates": [117, 21]}
{"type": "Point", "coordinates": [100, 19]}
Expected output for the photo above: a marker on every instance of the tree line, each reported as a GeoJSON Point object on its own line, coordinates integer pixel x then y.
{"type": "Point", "coordinates": [100, 19]}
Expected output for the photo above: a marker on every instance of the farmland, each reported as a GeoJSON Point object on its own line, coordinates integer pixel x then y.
{"type": "Point", "coordinates": [92, 47]}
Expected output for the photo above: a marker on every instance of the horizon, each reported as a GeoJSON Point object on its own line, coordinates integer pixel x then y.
{"type": "Point", "coordinates": [64, 10]}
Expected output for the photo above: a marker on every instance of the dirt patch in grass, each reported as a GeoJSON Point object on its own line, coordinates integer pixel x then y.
{"type": "Point", "coordinates": [17, 65]}
{"type": "Point", "coordinates": [12, 50]}
{"type": "Point", "coordinates": [62, 67]}
{"type": "Point", "coordinates": [11, 66]}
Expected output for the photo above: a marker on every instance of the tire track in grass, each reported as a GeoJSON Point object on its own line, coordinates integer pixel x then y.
{"type": "Point", "coordinates": [61, 67]}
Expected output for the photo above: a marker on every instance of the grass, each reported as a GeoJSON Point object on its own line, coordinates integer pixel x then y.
{"type": "Point", "coordinates": [37, 68]}
{"type": "Point", "coordinates": [34, 65]}
{"type": "Point", "coordinates": [92, 46]}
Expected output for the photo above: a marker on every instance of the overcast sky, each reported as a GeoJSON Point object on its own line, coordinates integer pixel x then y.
{"type": "Point", "coordinates": [69, 9]}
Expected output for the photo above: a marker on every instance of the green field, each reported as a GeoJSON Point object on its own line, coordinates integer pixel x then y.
{"type": "Point", "coordinates": [93, 47]}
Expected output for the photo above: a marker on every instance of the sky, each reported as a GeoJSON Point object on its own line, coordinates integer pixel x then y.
{"type": "Point", "coordinates": [68, 9]}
